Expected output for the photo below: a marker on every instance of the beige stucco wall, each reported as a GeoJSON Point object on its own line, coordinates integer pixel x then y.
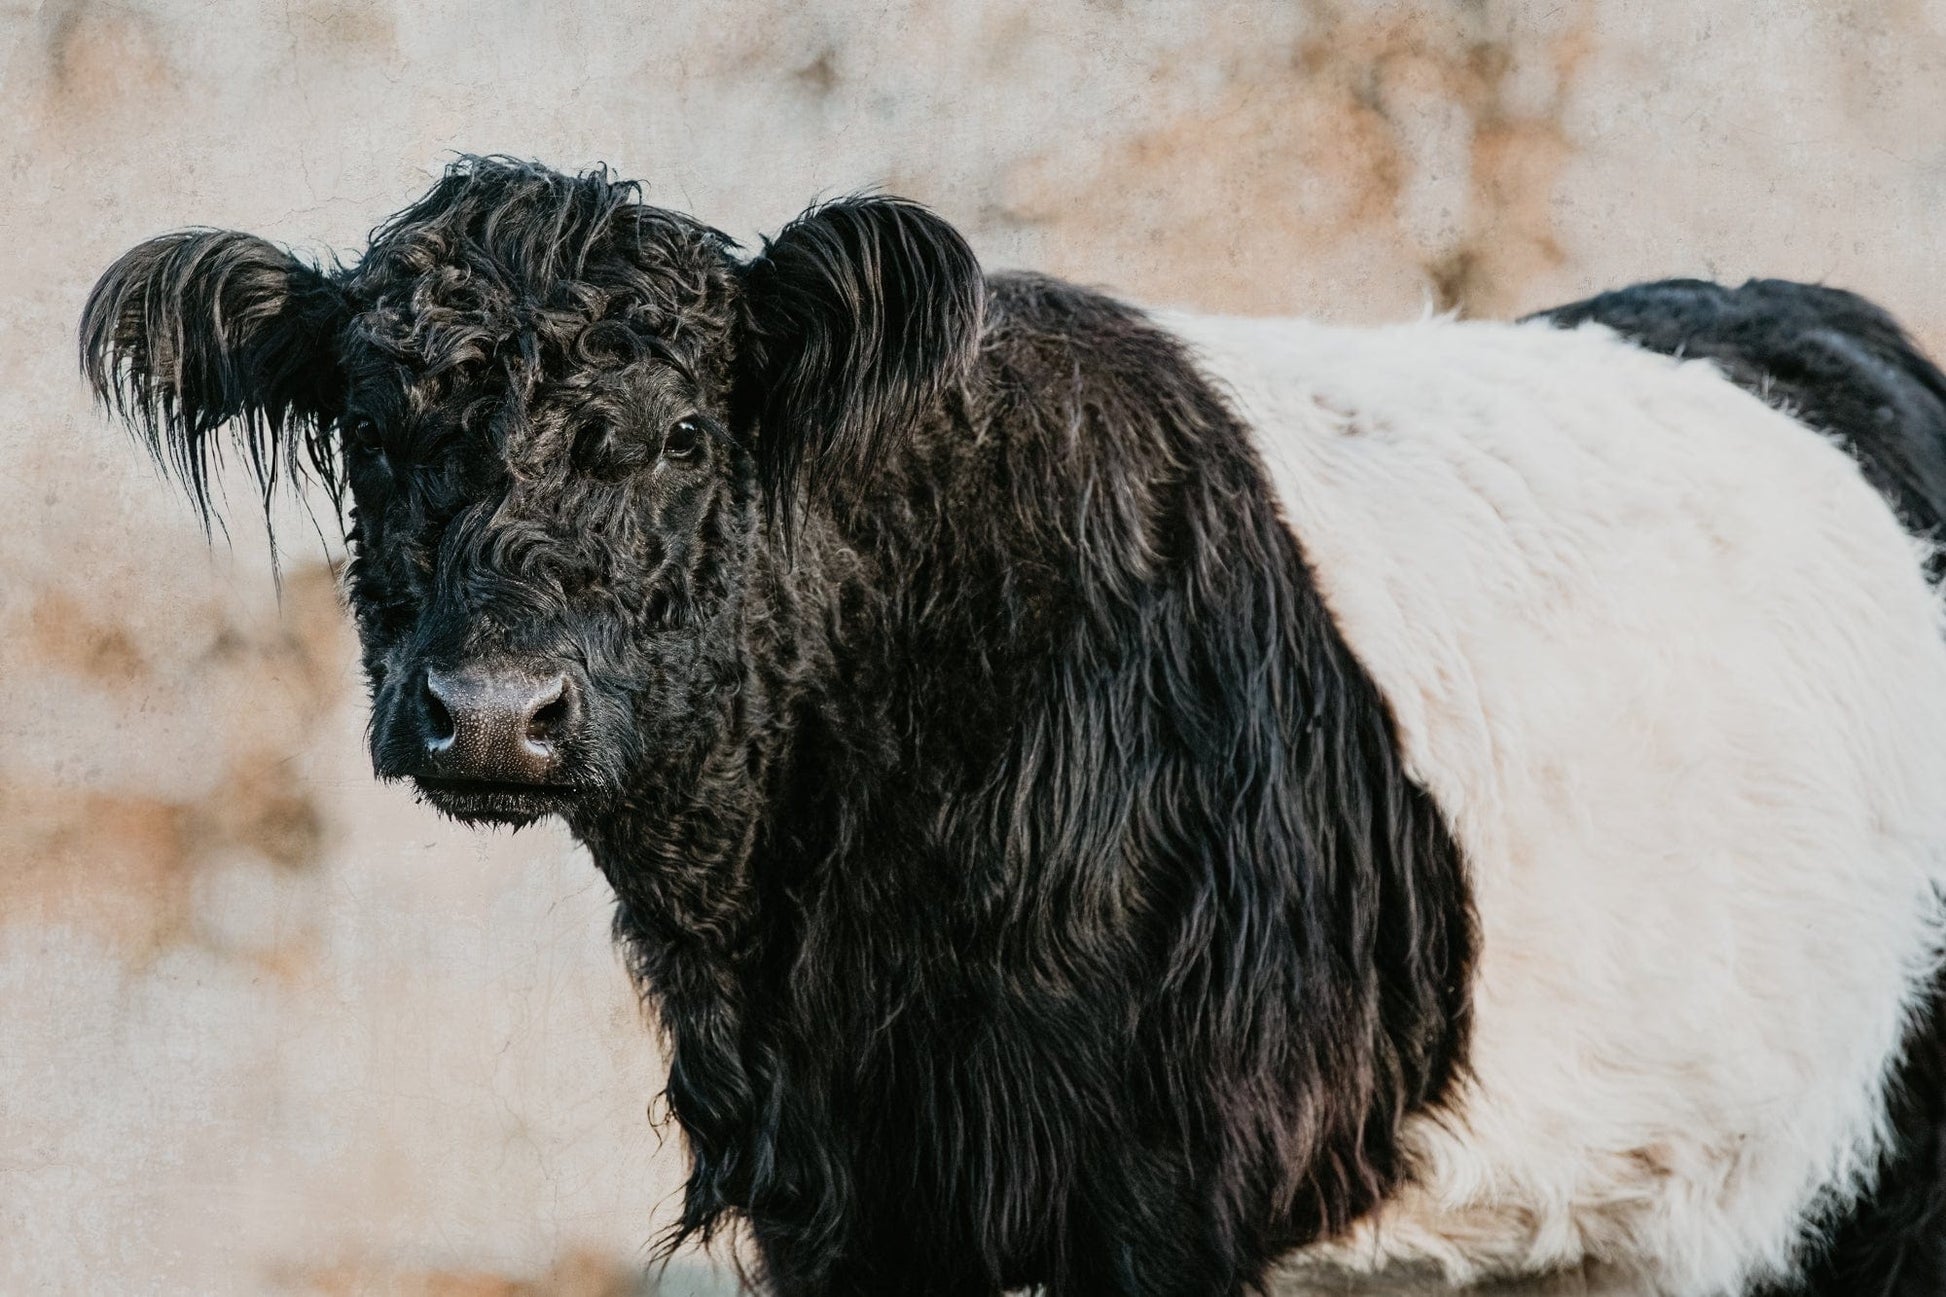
{"type": "Point", "coordinates": [267, 1027]}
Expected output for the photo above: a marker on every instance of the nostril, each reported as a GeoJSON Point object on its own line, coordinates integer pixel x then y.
{"type": "Point", "coordinates": [441, 728]}
{"type": "Point", "coordinates": [551, 713]}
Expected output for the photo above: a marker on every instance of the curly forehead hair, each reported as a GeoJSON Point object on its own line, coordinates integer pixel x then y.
{"type": "Point", "coordinates": [515, 262]}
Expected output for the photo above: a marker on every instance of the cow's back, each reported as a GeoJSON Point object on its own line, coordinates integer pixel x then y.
{"type": "Point", "coordinates": [1672, 670]}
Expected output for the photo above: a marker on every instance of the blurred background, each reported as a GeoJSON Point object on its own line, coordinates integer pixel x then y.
{"type": "Point", "coordinates": [266, 1027]}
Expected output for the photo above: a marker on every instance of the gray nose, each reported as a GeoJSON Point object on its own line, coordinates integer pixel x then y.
{"type": "Point", "coordinates": [497, 722]}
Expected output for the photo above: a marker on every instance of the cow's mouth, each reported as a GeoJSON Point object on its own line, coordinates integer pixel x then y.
{"type": "Point", "coordinates": [487, 801]}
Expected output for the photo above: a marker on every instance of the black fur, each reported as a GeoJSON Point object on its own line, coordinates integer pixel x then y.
{"type": "Point", "coordinates": [1843, 366]}
{"type": "Point", "coordinates": [198, 330]}
{"type": "Point", "coordinates": [860, 313]}
{"type": "Point", "coordinates": [1021, 866]}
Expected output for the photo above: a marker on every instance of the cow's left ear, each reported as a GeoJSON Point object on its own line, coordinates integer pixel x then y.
{"type": "Point", "coordinates": [856, 316]}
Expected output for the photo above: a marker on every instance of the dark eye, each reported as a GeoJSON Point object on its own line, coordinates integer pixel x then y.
{"type": "Point", "coordinates": [363, 445]}
{"type": "Point", "coordinates": [684, 441]}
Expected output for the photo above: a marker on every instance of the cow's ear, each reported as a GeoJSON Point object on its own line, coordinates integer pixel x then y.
{"type": "Point", "coordinates": [205, 330]}
{"type": "Point", "coordinates": [856, 316]}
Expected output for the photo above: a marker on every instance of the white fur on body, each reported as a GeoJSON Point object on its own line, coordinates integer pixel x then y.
{"type": "Point", "coordinates": [1671, 670]}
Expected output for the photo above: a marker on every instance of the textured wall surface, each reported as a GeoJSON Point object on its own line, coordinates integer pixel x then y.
{"type": "Point", "coordinates": [267, 1027]}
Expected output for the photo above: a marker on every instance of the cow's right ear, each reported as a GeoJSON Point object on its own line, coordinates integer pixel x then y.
{"type": "Point", "coordinates": [195, 332]}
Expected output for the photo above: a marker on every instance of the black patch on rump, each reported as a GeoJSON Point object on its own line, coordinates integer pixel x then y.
{"type": "Point", "coordinates": [1839, 364]}
{"type": "Point", "coordinates": [1022, 868]}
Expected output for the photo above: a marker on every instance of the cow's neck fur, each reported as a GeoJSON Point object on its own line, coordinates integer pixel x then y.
{"type": "Point", "coordinates": [1066, 606]}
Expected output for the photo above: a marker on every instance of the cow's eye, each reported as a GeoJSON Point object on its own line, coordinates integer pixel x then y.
{"type": "Point", "coordinates": [683, 442]}
{"type": "Point", "coordinates": [363, 446]}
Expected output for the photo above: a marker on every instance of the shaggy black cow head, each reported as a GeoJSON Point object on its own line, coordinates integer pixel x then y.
{"type": "Point", "coordinates": [568, 424]}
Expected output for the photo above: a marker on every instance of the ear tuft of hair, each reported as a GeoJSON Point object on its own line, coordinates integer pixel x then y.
{"type": "Point", "coordinates": [857, 316]}
{"type": "Point", "coordinates": [196, 331]}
